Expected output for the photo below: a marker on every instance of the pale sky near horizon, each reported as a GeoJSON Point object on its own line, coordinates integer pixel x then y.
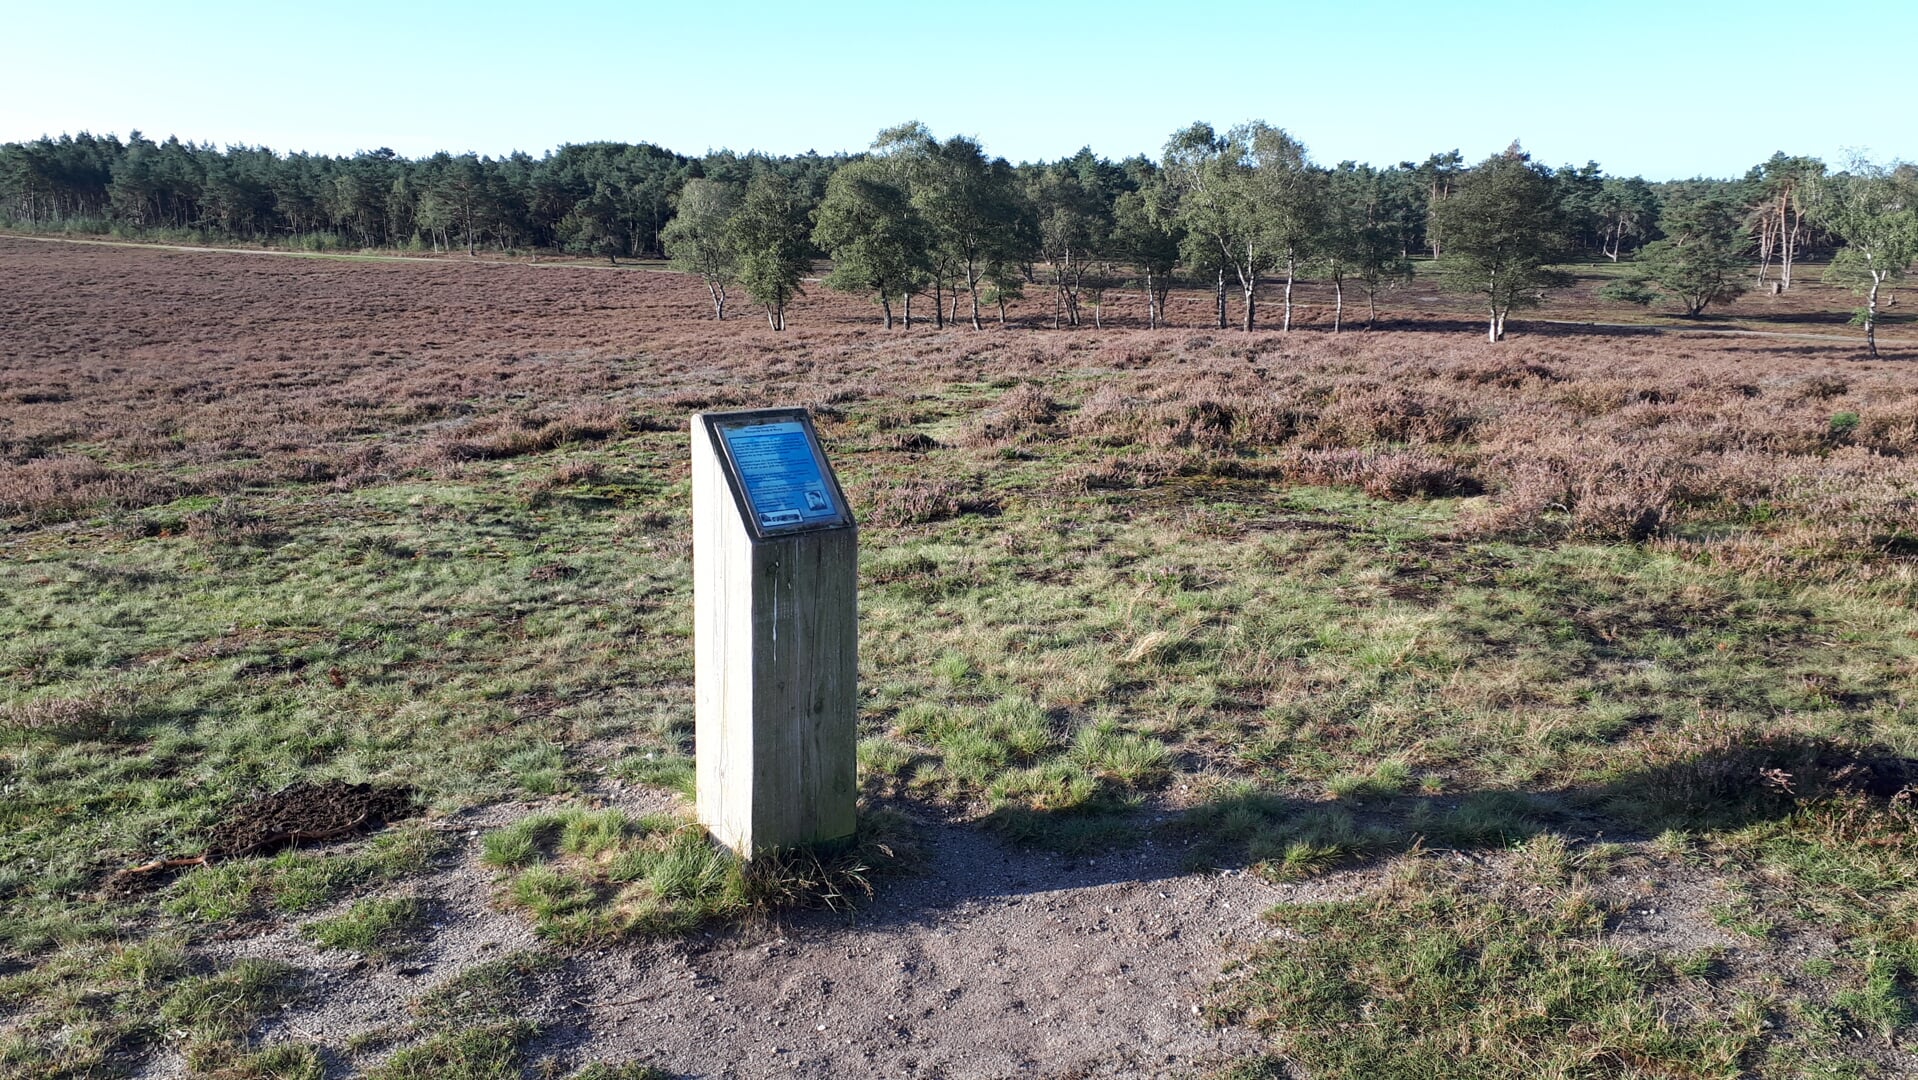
{"type": "Point", "coordinates": [1665, 90]}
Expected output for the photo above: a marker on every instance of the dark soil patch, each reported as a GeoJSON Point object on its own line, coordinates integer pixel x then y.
{"type": "Point", "coordinates": [305, 812]}
{"type": "Point", "coordinates": [301, 813]}
{"type": "Point", "coordinates": [1881, 776]}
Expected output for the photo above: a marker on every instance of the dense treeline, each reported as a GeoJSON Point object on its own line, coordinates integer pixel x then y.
{"type": "Point", "coordinates": [610, 199]}
{"type": "Point", "coordinates": [940, 221]}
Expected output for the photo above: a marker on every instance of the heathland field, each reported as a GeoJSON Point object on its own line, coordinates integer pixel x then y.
{"type": "Point", "coordinates": [1381, 704]}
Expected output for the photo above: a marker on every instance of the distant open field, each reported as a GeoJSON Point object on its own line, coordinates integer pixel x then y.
{"type": "Point", "coordinates": [1385, 704]}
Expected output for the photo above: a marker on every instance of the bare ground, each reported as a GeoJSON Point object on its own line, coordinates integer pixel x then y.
{"type": "Point", "coordinates": [986, 962]}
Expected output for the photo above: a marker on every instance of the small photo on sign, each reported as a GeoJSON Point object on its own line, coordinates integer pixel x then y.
{"type": "Point", "coordinates": [782, 474]}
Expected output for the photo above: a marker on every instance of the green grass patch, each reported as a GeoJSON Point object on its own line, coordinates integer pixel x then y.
{"type": "Point", "coordinates": [587, 875]}
{"type": "Point", "coordinates": [378, 927]}
{"type": "Point", "coordinates": [87, 1009]}
{"type": "Point", "coordinates": [1285, 839]}
{"type": "Point", "coordinates": [486, 1052]}
{"type": "Point", "coordinates": [218, 1012]}
{"type": "Point", "coordinates": [489, 991]}
{"type": "Point", "coordinates": [283, 1061]}
{"type": "Point", "coordinates": [1434, 982]}
{"type": "Point", "coordinates": [674, 772]}
{"type": "Point", "coordinates": [629, 1071]}
{"type": "Point", "coordinates": [295, 881]}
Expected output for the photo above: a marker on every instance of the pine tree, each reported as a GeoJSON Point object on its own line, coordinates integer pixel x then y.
{"type": "Point", "coordinates": [1502, 230]}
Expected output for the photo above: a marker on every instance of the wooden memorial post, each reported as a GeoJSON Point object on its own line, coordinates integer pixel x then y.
{"type": "Point", "coordinates": [776, 633]}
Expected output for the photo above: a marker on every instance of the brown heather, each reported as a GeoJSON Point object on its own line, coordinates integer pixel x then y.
{"type": "Point", "coordinates": [91, 714]}
{"type": "Point", "coordinates": [159, 375]}
{"type": "Point", "coordinates": [920, 502]}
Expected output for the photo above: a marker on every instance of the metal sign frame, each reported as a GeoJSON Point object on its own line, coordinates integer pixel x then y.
{"type": "Point", "coordinates": [716, 426]}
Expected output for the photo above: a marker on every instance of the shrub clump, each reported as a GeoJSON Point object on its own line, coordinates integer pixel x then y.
{"type": "Point", "coordinates": [93, 714]}
{"type": "Point", "coordinates": [1364, 417]}
{"type": "Point", "coordinates": [1605, 499]}
{"type": "Point", "coordinates": [921, 502]}
{"type": "Point", "coordinates": [1730, 773]}
{"type": "Point", "coordinates": [1389, 474]}
{"type": "Point", "coordinates": [516, 436]}
{"type": "Point", "coordinates": [1211, 414]}
{"type": "Point", "coordinates": [1021, 410]}
{"type": "Point", "coordinates": [49, 489]}
{"type": "Point", "coordinates": [231, 524]}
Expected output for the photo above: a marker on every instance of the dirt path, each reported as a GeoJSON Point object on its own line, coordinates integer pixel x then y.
{"type": "Point", "coordinates": [1719, 331]}
{"type": "Point", "coordinates": [989, 962]}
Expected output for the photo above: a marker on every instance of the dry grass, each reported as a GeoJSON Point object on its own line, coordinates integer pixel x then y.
{"type": "Point", "coordinates": [89, 715]}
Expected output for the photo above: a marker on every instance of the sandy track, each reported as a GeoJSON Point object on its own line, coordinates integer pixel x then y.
{"type": "Point", "coordinates": [992, 963]}
{"type": "Point", "coordinates": [987, 962]}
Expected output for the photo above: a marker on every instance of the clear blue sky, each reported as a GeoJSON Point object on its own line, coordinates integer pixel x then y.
{"type": "Point", "coordinates": [1666, 89]}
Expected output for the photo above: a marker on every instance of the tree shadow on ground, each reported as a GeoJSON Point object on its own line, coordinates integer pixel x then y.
{"type": "Point", "coordinates": [1724, 783]}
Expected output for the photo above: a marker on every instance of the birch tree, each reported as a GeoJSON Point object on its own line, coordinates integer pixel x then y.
{"type": "Point", "coordinates": [1146, 235]}
{"type": "Point", "coordinates": [1197, 166]}
{"type": "Point", "coordinates": [770, 234]}
{"type": "Point", "coordinates": [1250, 199]}
{"type": "Point", "coordinates": [1873, 210]}
{"type": "Point", "coordinates": [1286, 197]}
{"type": "Point", "coordinates": [698, 241]}
{"type": "Point", "coordinates": [1073, 222]}
{"type": "Point", "coordinates": [876, 239]}
{"type": "Point", "coordinates": [908, 151]}
{"type": "Point", "coordinates": [972, 205]}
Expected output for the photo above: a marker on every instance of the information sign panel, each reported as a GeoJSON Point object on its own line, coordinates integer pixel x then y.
{"type": "Point", "coordinates": [779, 471]}
{"type": "Point", "coordinates": [776, 634]}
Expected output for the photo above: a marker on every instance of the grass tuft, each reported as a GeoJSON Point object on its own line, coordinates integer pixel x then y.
{"type": "Point", "coordinates": [493, 990]}
{"type": "Point", "coordinates": [494, 1051]}
{"type": "Point", "coordinates": [283, 1061]}
{"type": "Point", "coordinates": [376, 927]}
{"type": "Point", "coordinates": [629, 1071]}
{"type": "Point", "coordinates": [218, 1012]}
{"type": "Point", "coordinates": [586, 876]}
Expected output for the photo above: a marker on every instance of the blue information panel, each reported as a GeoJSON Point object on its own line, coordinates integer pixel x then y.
{"type": "Point", "coordinates": [783, 476]}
